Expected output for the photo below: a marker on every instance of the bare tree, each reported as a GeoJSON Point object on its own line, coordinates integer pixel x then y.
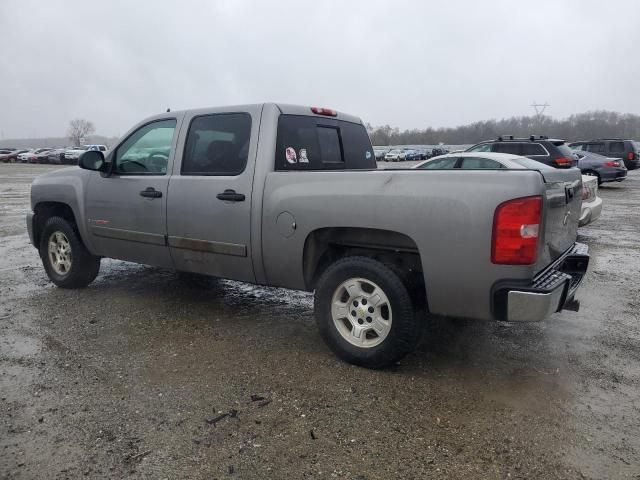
{"type": "Point", "coordinates": [78, 129]}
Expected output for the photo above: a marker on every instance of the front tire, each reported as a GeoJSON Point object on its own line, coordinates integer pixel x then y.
{"type": "Point", "coordinates": [365, 314]}
{"type": "Point", "coordinates": [66, 260]}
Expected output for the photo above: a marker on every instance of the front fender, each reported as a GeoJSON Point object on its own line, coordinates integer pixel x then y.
{"type": "Point", "coordinates": [67, 187]}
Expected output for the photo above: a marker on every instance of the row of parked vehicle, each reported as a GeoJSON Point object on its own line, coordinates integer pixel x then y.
{"type": "Point", "coordinates": [57, 156]}
{"type": "Point", "coordinates": [600, 160]}
{"type": "Point", "coordinates": [407, 154]}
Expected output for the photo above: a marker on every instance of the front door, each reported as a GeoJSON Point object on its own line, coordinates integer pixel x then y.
{"type": "Point", "coordinates": [126, 211]}
{"type": "Point", "coordinates": [209, 209]}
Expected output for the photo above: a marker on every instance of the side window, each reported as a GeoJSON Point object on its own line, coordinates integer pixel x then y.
{"type": "Point", "coordinates": [473, 163]}
{"type": "Point", "coordinates": [440, 164]}
{"type": "Point", "coordinates": [217, 144]}
{"type": "Point", "coordinates": [506, 147]}
{"type": "Point", "coordinates": [595, 147]}
{"type": "Point", "coordinates": [147, 150]}
{"type": "Point", "coordinates": [616, 147]}
{"type": "Point", "coordinates": [534, 149]}
{"type": "Point", "coordinates": [484, 147]}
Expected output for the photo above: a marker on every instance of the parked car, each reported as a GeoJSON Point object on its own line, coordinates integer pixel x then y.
{"type": "Point", "coordinates": [56, 156]}
{"type": "Point", "coordinates": [11, 156]}
{"type": "Point", "coordinates": [305, 208]}
{"type": "Point", "coordinates": [591, 202]}
{"type": "Point", "coordinates": [411, 155]}
{"type": "Point", "coordinates": [553, 152]}
{"type": "Point", "coordinates": [395, 155]}
{"type": "Point", "coordinates": [627, 150]}
{"type": "Point", "coordinates": [30, 156]}
{"type": "Point", "coordinates": [42, 156]}
{"type": "Point", "coordinates": [24, 156]}
{"type": "Point", "coordinates": [71, 155]}
{"type": "Point", "coordinates": [379, 153]}
{"type": "Point", "coordinates": [605, 169]}
{"type": "Point", "coordinates": [438, 151]}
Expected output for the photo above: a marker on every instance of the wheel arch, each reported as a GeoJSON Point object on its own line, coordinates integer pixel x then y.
{"type": "Point", "coordinates": [324, 246]}
{"type": "Point", "coordinates": [45, 210]}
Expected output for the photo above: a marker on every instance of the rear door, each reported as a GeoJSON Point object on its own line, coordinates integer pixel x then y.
{"type": "Point", "coordinates": [210, 192]}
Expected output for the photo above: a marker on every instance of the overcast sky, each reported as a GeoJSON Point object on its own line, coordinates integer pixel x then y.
{"type": "Point", "coordinates": [406, 63]}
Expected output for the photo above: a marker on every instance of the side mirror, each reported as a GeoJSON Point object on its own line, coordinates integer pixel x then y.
{"type": "Point", "coordinates": [92, 160]}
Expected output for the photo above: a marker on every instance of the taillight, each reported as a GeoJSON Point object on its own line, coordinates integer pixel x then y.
{"type": "Point", "coordinates": [516, 225]}
{"type": "Point", "coordinates": [631, 156]}
{"type": "Point", "coordinates": [612, 163]}
{"type": "Point", "coordinates": [586, 193]}
{"type": "Point", "coordinates": [324, 111]}
{"type": "Point", "coordinates": [563, 162]}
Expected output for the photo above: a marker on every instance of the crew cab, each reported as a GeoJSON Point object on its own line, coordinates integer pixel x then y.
{"type": "Point", "coordinates": [290, 196]}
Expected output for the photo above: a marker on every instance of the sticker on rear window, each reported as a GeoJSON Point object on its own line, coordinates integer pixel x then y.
{"type": "Point", "coordinates": [303, 155]}
{"type": "Point", "coordinates": [367, 155]}
{"type": "Point", "coordinates": [290, 153]}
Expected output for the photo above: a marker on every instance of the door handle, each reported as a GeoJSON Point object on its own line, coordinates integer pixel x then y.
{"type": "Point", "coordinates": [150, 192]}
{"type": "Point", "coordinates": [230, 196]}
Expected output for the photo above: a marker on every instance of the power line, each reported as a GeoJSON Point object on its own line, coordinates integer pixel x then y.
{"type": "Point", "coordinates": [539, 108]}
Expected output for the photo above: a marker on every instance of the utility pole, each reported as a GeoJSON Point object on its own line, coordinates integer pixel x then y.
{"type": "Point", "coordinates": [539, 108]}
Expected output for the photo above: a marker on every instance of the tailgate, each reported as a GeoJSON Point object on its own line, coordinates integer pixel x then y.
{"type": "Point", "coordinates": [563, 191]}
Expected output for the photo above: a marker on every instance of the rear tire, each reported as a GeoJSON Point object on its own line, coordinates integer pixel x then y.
{"type": "Point", "coordinates": [66, 260]}
{"type": "Point", "coordinates": [365, 313]}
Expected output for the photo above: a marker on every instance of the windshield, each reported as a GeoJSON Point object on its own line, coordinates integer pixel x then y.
{"type": "Point", "coordinates": [395, 151]}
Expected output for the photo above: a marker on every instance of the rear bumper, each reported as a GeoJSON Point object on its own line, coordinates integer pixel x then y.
{"type": "Point", "coordinates": [590, 212]}
{"type": "Point", "coordinates": [551, 290]}
{"type": "Point", "coordinates": [613, 175]}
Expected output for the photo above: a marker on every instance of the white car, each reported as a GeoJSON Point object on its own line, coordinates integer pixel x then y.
{"type": "Point", "coordinates": [395, 155]}
{"type": "Point", "coordinates": [74, 153]}
{"type": "Point", "coordinates": [591, 202]}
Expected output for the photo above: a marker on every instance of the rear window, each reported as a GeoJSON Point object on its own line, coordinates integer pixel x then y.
{"type": "Point", "coordinates": [636, 146]}
{"type": "Point", "coordinates": [532, 164]}
{"type": "Point", "coordinates": [533, 149]}
{"type": "Point", "coordinates": [313, 143]}
{"type": "Point", "coordinates": [565, 150]}
{"type": "Point", "coordinates": [475, 163]}
{"type": "Point", "coordinates": [440, 164]}
{"type": "Point", "coordinates": [616, 147]}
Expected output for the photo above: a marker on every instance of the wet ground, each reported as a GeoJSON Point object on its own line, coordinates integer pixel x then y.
{"type": "Point", "coordinates": [146, 375]}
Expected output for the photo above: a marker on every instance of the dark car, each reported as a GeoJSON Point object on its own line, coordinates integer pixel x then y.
{"type": "Point", "coordinates": [605, 168]}
{"type": "Point", "coordinates": [56, 156]}
{"type": "Point", "coordinates": [438, 151]}
{"type": "Point", "coordinates": [43, 156]}
{"type": "Point", "coordinates": [411, 155]}
{"type": "Point", "coordinates": [627, 150]}
{"type": "Point", "coordinates": [550, 151]}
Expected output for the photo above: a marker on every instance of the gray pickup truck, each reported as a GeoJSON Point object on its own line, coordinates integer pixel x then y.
{"type": "Point", "coordinates": [290, 196]}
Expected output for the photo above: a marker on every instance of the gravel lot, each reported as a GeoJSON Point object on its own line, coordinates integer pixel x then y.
{"type": "Point", "coordinates": [145, 375]}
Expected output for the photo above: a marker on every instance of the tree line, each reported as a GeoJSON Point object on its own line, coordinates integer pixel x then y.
{"type": "Point", "coordinates": [581, 126]}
